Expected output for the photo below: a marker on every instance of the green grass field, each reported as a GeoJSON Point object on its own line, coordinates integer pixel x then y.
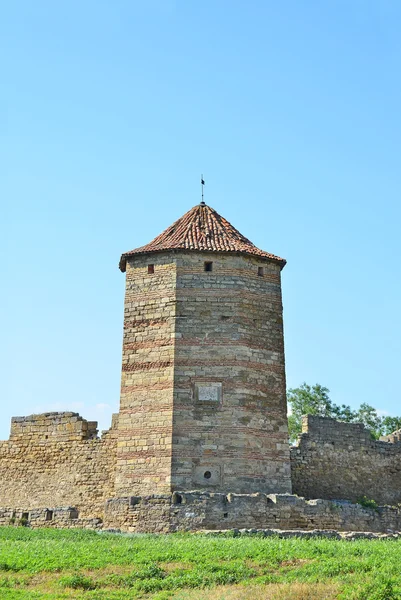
{"type": "Point", "coordinates": [49, 564]}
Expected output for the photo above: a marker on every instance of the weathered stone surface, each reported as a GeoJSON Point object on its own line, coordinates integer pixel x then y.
{"type": "Point", "coordinates": [190, 511]}
{"type": "Point", "coordinates": [55, 459]}
{"type": "Point", "coordinates": [341, 460]}
{"type": "Point", "coordinates": [203, 380]}
{"type": "Point", "coordinates": [207, 511]}
{"type": "Point", "coordinates": [57, 518]}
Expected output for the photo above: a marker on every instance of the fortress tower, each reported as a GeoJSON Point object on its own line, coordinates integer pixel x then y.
{"type": "Point", "coordinates": [203, 403]}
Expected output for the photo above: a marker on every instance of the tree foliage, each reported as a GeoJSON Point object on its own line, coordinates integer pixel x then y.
{"type": "Point", "coordinates": [315, 400]}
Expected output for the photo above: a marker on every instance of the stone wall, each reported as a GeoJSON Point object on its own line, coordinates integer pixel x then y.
{"type": "Point", "coordinates": [55, 459]}
{"type": "Point", "coordinates": [191, 511]}
{"type": "Point", "coordinates": [146, 405]}
{"type": "Point", "coordinates": [230, 414]}
{"type": "Point", "coordinates": [341, 460]}
{"type": "Point", "coordinates": [57, 518]}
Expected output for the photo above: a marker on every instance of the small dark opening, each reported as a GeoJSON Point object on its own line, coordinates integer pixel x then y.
{"type": "Point", "coordinates": [49, 515]}
{"type": "Point", "coordinates": [207, 475]}
{"type": "Point", "coordinates": [151, 269]}
{"type": "Point", "coordinates": [225, 515]}
{"type": "Point", "coordinates": [24, 520]}
{"type": "Point", "coordinates": [261, 271]}
{"type": "Point", "coordinates": [134, 500]}
{"type": "Point", "coordinates": [74, 514]}
{"type": "Point", "coordinates": [208, 266]}
{"type": "Point", "coordinates": [177, 498]}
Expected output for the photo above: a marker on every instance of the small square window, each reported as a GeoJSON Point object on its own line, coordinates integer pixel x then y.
{"type": "Point", "coordinates": [49, 515]}
{"type": "Point", "coordinates": [261, 271]}
{"type": "Point", "coordinates": [208, 266]}
{"type": "Point", "coordinates": [151, 269]}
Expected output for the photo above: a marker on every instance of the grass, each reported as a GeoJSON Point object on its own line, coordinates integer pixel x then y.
{"type": "Point", "coordinates": [48, 564]}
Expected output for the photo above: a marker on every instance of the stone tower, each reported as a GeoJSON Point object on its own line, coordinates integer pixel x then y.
{"type": "Point", "coordinates": [203, 403]}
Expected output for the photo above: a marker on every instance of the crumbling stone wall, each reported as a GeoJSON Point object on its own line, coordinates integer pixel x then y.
{"type": "Point", "coordinates": [66, 517]}
{"type": "Point", "coordinates": [198, 511]}
{"type": "Point", "coordinates": [341, 460]}
{"type": "Point", "coordinates": [55, 459]}
{"type": "Point", "coordinates": [191, 511]}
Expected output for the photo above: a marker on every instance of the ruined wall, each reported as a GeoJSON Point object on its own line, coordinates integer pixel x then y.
{"type": "Point", "coordinates": [55, 459]}
{"type": "Point", "coordinates": [191, 511]}
{"type": "Point", "coordinates": [66, 517]}
{"type": "Point", "coordinates": [341, 460]}
{"type": "Point", "coordinates": [197, 511]}
{"type": "Point", "coordinates": [230, 416]}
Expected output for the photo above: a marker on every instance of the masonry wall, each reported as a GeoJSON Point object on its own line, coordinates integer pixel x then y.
{"type": "Point", "coordinates": [55, 459]}
{"type": "Point", "coordinates": [189, 511]}
{"type": "Point", "coordinates": [146, 405]}
{"type": "Point", "coordinates": [341, 460]}
{"type": "Point", "coordinates": [203, 400]}
{"type": "Point", "coordinates": [230, 416]}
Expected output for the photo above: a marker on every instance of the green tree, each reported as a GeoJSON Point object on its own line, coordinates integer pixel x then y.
{"type": "Point", "coordinates": [390, 424]}
{"type": "Point", "coordinates": [307, 400]}
{"type": "Point", "coordinates": [367, 415]}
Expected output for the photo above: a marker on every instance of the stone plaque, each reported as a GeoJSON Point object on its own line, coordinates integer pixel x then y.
{"type": "Point", "coordinates": [208, 392]}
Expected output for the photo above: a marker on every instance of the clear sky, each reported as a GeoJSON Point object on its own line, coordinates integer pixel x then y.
{"type": "Point", "coordinates": [109, 113]}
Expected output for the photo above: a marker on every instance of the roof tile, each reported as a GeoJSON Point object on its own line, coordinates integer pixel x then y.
{"type": "Point", "coordinates": [204, 230]}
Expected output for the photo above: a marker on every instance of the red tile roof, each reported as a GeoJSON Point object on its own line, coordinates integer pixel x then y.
{"type": "Point", "coordinates": [204, 230]}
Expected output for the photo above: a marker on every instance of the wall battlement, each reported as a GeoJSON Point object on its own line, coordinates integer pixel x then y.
{"type": "Point", "coordinates": [57, 459]}
{"type": "Point", "coordinates": [54, 425]}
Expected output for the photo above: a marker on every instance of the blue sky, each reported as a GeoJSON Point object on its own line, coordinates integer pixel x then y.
{"type": "Point", "coordinates": [109, 112]}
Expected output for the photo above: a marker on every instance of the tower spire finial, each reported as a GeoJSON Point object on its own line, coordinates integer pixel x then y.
{"type": "Point", "coordinates": [202, 185]}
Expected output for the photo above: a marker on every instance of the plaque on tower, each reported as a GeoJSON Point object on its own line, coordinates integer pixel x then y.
{"type": "Point", "coordinates": [208, 392]}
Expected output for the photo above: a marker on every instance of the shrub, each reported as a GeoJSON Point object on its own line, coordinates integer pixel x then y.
{"type": "Point", "coordinates": [77, 582]}
{"type": "Point", "coordinates": [368, 503]}
{"type": "Point", "coordinates": [378, 590]}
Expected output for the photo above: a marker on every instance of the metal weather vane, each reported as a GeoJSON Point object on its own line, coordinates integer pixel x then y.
{"type": "Point", "coordinates": [202, 184]}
